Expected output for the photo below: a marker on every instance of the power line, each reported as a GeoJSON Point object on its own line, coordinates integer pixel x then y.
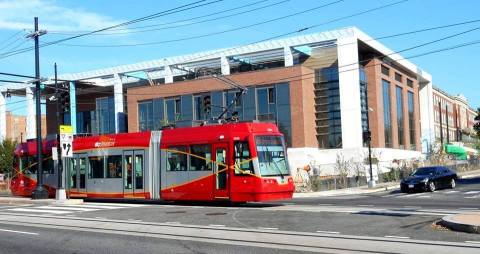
{"type": "Point", "coordinates": [15, 75]}
{"type": "Point", "coordinates": [181, 23]}
{"type": "Point", "coordinates": [9, 38]}
{"type": "Point", "coordinates": [185, 7]}
{"type": "Point", "coordinates": [208, 34]}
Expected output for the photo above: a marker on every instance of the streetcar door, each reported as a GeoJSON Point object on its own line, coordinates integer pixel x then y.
{"type": "Point", "coordinates": [128, 174]}
{"type": "Point", "coordinates": [221, 172]}
{"type": "Point", "coordinates": [82, 173]}
{"type": "Point", "coordinates": [133, 175]}
{"type": "Point", "coordinates": [72, 174]}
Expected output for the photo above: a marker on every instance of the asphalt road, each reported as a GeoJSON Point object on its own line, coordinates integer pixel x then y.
{"type": "Point", "coordinates": [378, 222]}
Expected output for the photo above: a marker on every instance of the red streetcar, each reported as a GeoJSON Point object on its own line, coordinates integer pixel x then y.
{"type": "Point", "coordinates": [236, 162]}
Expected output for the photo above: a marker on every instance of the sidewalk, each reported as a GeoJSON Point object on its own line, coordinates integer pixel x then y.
{"type": "Point", "coordinates": [365, 190]}
{"type": "Point", "coordinates": [467, 222]}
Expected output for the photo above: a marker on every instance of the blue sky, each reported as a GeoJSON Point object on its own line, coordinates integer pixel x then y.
{"type": "Point", "coordinates": [454, 71]}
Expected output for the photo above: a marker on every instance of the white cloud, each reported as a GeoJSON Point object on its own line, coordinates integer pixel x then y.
{"type": "Point", "coordinates": [15, 15]}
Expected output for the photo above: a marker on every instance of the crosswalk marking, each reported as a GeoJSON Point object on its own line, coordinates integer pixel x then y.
{"type": "Point", "coordinates": [472, 192]}
{"type": "Point", "coordinates": [435, 194]}
{"type": "Point", "coordinates": [35, 210]}
{"type": "Point", "coordinates": [452, 191]}
{"type": "Point", "coordinates": [68, 209]}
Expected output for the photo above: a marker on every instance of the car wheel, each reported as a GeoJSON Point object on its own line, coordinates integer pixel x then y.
{"type": "Point", "coordinates": [431, 187]}
{"type": "Point", "coordinates": [452, 183]}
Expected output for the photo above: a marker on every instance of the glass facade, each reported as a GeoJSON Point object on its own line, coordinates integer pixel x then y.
{"type": "Point", "coordinates": [105, 111]}
{"type": "Point", "coordinates": [236, 106]}
{"type": "Point", "coordinates": [172, 110]}
{"type": "Point", "coordinates": [399, 98]}
{"type": "Point", "coordinates": [266, 104]}
{"type": "Point", "coordinates": [145, 115]}
{"type": "Point", "coordinates": [411, 120]}
{"type": "Point", "coordinates": [387, 116]}
{"type": "Point", "coordinates": [327, 107]}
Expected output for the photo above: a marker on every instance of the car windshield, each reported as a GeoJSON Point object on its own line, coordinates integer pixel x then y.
{"type": "Point", "coordinates": [424, 171]}
{"type": "Point", "coordinates": [271, 156]}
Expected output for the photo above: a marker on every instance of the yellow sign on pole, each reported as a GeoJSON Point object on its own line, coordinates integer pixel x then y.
{"type": "Point", "coordinates": [66, 129]}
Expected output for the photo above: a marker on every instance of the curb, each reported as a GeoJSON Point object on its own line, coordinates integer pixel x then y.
{"type": "Point", "coordinates": [450, 223]}
{"type": "Point", "coordinates": [342, 192]}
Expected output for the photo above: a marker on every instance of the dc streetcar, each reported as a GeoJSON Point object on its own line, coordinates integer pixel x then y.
{"type": "Point", "coordinates": [238, 162]}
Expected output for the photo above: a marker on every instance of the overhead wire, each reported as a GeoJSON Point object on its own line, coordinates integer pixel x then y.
{"type": "Point", "coordinates": [181, 23]}
{"type": "Point", "coordinates": [182, 8]}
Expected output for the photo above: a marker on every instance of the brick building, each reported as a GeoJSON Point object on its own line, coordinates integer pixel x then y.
{"type": "Point", "coordinates": [318, 88]}
{"type": "Point", "coordinates": [16, 127]}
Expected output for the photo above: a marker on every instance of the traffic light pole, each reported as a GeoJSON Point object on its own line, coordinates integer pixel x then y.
{"type": "Point", "coordinates": [39, 192]}
{"type": "Point", "coordinates": [60, 193]}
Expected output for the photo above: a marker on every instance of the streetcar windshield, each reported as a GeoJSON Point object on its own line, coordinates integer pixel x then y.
{"type": "Point", "coordinates": [271, 155]}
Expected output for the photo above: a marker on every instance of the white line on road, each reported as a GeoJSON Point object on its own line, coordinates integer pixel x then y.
{"type": "Point", "coordinates": [31, 210]}
{"type": "Point", "coordinates": [216, 225]}
{"type": "Point", "coordinates": [468, 208]}
{"type": "Point", "coordinates": [79, 209]}
{"type": "Point", "coordinates": [394, 236]}
{"type": "Point", "coordinates": [476, 196]}
{"type": "Point", "coordinates": [393, 195]}
{"type": "Point", "coordinates": [265, 228]}
{"type": "Point", "coordinates": [18, 232]}
{"type": "Point", "coordinates": [426, 196]}
{"type": "Point", "coordinates": [366, 205]}
{"type": "Point", "coordinates": [172, 222]}
{"type": "Point", "coordinates": [475, 242]}
{"type": "Point", "coordinates": [452, 191]}
{"type": "Point", "coordinates": [327, 232]}
{"type": "Point", "coordinates": [471, 192]}
{"type": "Point", "coordinates": [412, 207]}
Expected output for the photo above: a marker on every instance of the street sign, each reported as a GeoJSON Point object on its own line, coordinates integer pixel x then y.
{"type": "Point", "coordinates": [66, 129]}
{"type": "Point", "coordinates": [66, 137]}
{"type": "Point", "coordinates": [67, 149]}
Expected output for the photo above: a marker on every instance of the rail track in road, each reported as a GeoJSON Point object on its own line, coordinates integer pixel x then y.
{"type": "Point", "coordinates": [267, 238]}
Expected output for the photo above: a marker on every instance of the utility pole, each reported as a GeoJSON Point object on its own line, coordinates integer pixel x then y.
{"type": "Point", "coordinates": [60, 193]}
{"type": "Point", "coordinates": [371, 182]}
{"type": "Point", "coordinates": [441, 127]}
{"type": "Point", "coordinates": [447, 122]}
{"type": "Point", "coordinates": [39, 192]}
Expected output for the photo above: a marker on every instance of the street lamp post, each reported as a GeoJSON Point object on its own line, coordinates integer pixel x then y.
{"type": "Point", "coordinates": [368, 137]}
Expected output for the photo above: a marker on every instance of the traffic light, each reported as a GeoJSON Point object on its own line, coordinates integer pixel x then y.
{"type": "Point", "coordinates": [367, 136]}
{"type": "Point", "coordinates": [207, 105]}
{"type": "Point", "coordinates": [64, 99]}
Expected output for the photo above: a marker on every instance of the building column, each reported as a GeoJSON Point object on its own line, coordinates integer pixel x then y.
{"type": "Point", "coordinates": [31, 116]}
{"type": "Point", "coordinates": [119, 104]}
{"type": "Point", "coordinates": [3, 117]}
{"type": "Point", "coordinates": [427, 124]}
{"type": "Point", "coordinates": [288, 56]}
{"type": "Point", "coordinates": [73, 106]}
{"type": "Point", "coordinates": [168, 74]}
{"type": "Point", "coordinates": [349, 89]}
{"type": "Point", "coordinates": [225, 65]}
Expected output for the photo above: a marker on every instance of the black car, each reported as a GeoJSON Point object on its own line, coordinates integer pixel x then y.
{"type": "Point", "coordinates": [429, 179]}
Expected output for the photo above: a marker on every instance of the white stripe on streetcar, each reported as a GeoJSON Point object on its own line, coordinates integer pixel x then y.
{"type": "Point", "coordinates": [39, 210]}
{"type": "Point", "coordinates": [18, 232]}
{"type": "Point", "coordinates": [399, 237]}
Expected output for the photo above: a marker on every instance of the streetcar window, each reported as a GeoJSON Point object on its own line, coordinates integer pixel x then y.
{"type": "Point", "coordinates": [243, 162]}
{"type": "Point", "coordinates": [96, 167]}
{"type": "Point", "coordinates": [200, 157]}
{"type": "Point", "coordinates": [271, 156]}
{"type": "Point", "coordinates": [28, 165]}
{"type": "Point", "coordinates": [177, 158]}
{"type": "Point", "coordinates": [114, 166]}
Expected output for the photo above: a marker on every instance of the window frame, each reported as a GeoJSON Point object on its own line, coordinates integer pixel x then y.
{"type": "Point", "coordinates": [181, 153]}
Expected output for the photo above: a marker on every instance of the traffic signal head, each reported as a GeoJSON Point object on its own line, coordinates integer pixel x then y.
{"type": "Point", "coordinates": [367, 136]}
{"type": "Point", "coordinates": [207, 105]}
{"type": "Point", "coordinates": [65, 102]}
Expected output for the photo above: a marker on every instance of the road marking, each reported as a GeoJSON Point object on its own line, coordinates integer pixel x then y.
{"type": "Point", "coordinates": [412, 207]}
{"type": "Point", "coordinates": [216, 225]}
{"type": "Point", "coordinates": [327, 232]}
{"type": "Point", "coordinates": [115, 204]}
{"type": "Point", "coordinates": [476, 196]}
{"type": "Point", "coordinates": [18, 232]}
{"type": "Point", "coordinates": [96, 206]}
{"type": "Point", "coordinates": [468, 208]}
{"type": "Point", "coordinates": [38, 210]}
{"type": "Point", "coordinates": [452, 191]}
{"type": "Point", "coordinates": [366, 205]}
{"type": "Point", "coordinates": [394, 195]}
{"type": "Point", "coordinates": [475, 242]}
{"type": "Point", "coordinates": [471, 192]}
{"type": "Point", "coordinates": [101, 218]}
{"type": "Point", "coordinates": [394, 236]}
{"type": "Point", "coordinates": [411, 195]}
{"type": "Point", "coordinates": [68, 208]}
{"type": "Point", "coordinates": [426, 196]}
{"type": "Point", "coordinates": [265, 228]}
{"type": "Point", "coordinates": [172, 222]}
